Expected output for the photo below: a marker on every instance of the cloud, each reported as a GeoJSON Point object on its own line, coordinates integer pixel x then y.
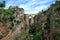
{"type": "Point", "coordinates": [30, 6]}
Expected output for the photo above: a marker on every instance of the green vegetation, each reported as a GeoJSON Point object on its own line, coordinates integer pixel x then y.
{"type": "Point", "coordinates": [7, 16]}
{"type": "Point", "coordinates": [52, 17]}
{"type": "Point", "coordinates": [47, 19]}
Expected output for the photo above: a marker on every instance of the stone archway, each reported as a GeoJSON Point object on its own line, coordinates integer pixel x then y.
{"type": "Point", "coordinates": [29, 18]}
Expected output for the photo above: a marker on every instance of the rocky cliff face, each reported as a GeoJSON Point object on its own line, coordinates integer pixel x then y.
{"type": "Point", "coordinates": [19, 30]}
{"type": "Point", "coordinates": [4, 32]}
{"type": "Point", "coordinates": [3, 27]}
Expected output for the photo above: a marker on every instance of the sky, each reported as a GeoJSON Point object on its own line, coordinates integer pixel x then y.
{"type": "Point", "coordinates": [30, 6]}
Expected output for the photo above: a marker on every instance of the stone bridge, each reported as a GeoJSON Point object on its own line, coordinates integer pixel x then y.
{"type": "Point", "coordinates": [29, 18]}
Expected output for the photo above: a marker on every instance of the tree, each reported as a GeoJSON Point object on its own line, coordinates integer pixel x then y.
{"type": "Point", "coordinates": [2, 4]}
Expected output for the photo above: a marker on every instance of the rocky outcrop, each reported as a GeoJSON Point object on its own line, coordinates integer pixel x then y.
{"type": "Point", "coordinates": [3, 27]}
{"type": "Point", "coordinates": [7, 36]}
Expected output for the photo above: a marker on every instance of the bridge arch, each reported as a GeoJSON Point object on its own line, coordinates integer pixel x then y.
{"type": "Point", "coordinates": [30, 18]}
